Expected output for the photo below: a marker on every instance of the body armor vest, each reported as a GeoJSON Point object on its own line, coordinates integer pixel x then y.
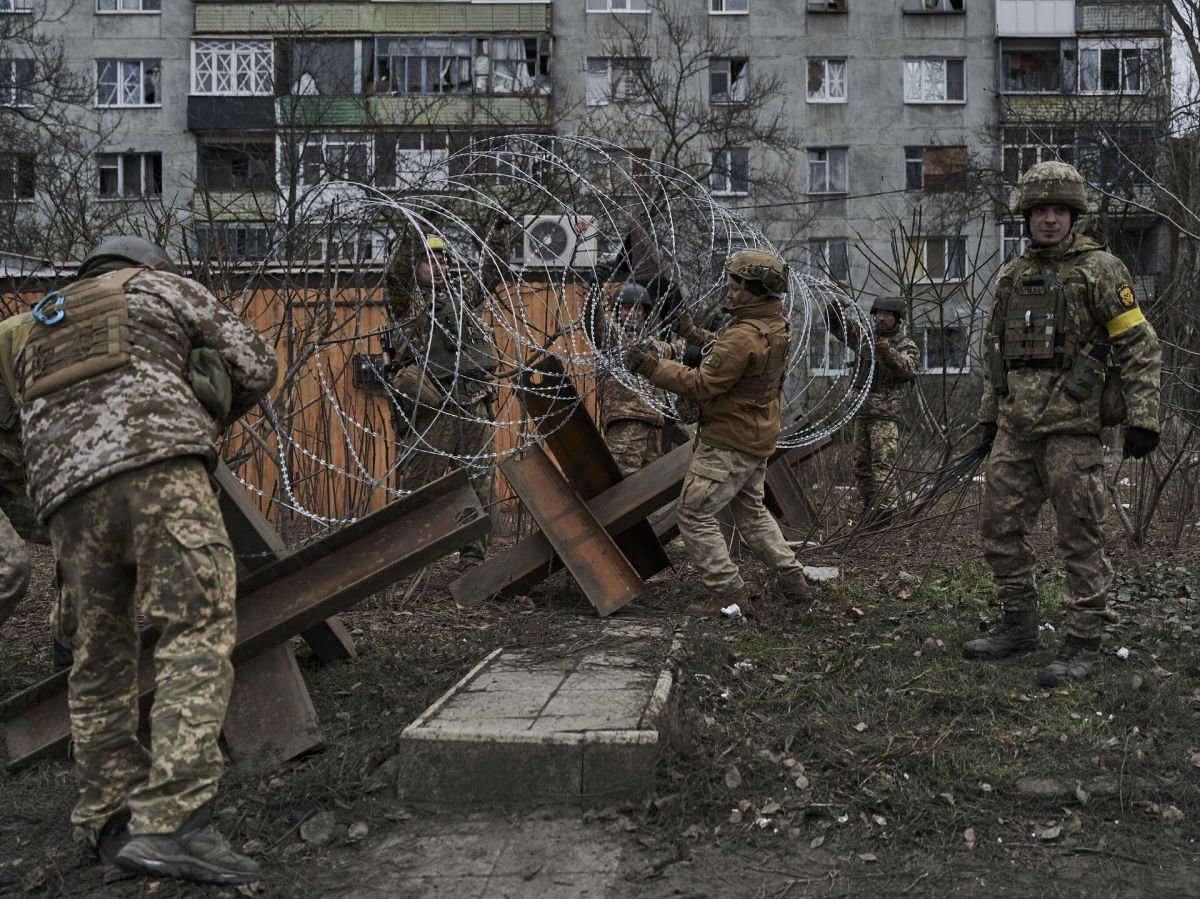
{"type": "Point", "coordinates": [765, 387]}
{"type": "Point", "coordinates": [95, 335]}
{"type": "Point", "coordinates": [1035, 323]}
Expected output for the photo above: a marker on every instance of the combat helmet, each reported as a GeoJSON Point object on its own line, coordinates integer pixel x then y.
{"type": "Point", "coordinates": [130, 249]}
{"type": "Point", "coordinates": [761, 266]}
{"type": "Point", "coordinates": [1052, 183]}
{"type": "Point", "coordinates": [632, 294]}
{"type": "Point", "coordinates": [894, 305]}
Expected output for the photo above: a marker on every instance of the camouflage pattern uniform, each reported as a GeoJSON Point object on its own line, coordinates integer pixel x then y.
{"type": "Point", "coordinates": [738, 388]}
{"type": "Point", "coordinates": [446, 342]}
{"type": "Point", "coordinates": [632, 428]}
{"type": "Point", "coordinates": [14, 555]}
{"type": "Point", "coordinates": [877, 424]}
{"type": "Point", "coordinates": [1048, 443]}
{"type": "Point", "coordinates": [116, 464]}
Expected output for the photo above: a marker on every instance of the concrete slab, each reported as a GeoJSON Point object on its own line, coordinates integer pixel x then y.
{"type": "Point", "coordinates": [545, 724]}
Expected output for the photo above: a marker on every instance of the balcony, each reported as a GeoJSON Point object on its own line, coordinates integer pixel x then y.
{"type": "Point", "coordinates": [370, 18]}
{"type": "Point", "coordinates": [512, 111]}
{"type": "Point", "coordinates": [230, 113]}
{"type": "Point", "coordinates": [1035, 18]}
{"type": "Point", "coordinates": [235, 206]}
{"type": "Point", "coordinates": [1122, 18]}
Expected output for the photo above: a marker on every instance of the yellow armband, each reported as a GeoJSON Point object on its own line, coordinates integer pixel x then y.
{"type": "Point", "coordinates": [1125, 321]}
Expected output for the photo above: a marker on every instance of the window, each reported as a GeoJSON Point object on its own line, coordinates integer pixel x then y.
{"type": "Point", "coordinates": [935, 81]}
{"type": "Point", "coordinates": [827, 170]}
{"type": "Point", "coordinates": [128, 5]}
{"type": "Point", "coordinates": [616, 6]}
{"type": "Point", "coordinates": [16, 5]}
{"type": "Point", "coordinates": [424, 65]}
{"type": "Point", "coordinates": [1025, 147]}
{"type": "Point", "coordinates": [730, 175]}
{"type": "Point", "coordinates": [1013, 239]}
{"type": "Point", "coordinates": [728, 7]}
{"type": "Point", "coordinates": [16, 82]}
{"type": "Point", "coordinates": [237, 68]}
{"type": "Point", "coordinates": [411, 158]}
{"type": "Point", "coordinates": [826, 354]}
{"type": "Point", "coordinates": [1034, 67]}
{"type": "Point", "coordinates": [619, 173]}
{"type": "Point", "coordinates": [827, 81]}
{"type": "Point", "coordinates": [233, 241]}
{"type": "Point", "coordinates": [934, 5]}
{"type": "Point", "coordinates": [16, 176]}
{"type": "Point", "coordinates": [1108, 68]}
{"type": "Point", "coordinates": [827, 5]}
{"type": "Point", "coordinates": [827, 257]}
{"type": "Point", "coordinates": [129, 175]}
{"type": "Point", "coordinates": [515, 65]}
{"type": "Point", "coordinates": [1116, 157]}
{"type": "Point", "coordinates": [343, 244]}
{"type": "Point", "coordinates": [936, 258]}
{"type": "Point", "coordinates": [237, 167]}
{"type": "Point", "coordinates": [728, 80]}
{"type": "Point", "coordinates": [128, 82]}
{"type": "Point", "coordinates": [615, 79]}
{"type": "Point", "coordinates": [943, 349]}
{"type": "Point", "coordinates": [934, 168]}
{"type": "Point", "coordinates": [334, 157]}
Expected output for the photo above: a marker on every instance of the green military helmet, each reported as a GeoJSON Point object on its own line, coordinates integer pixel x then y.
{"type": "Point", "coordinates": [129, 249]}
{"type": "Point", "coordinates": [894, 305]}
{"type": "Point", "coordinates": [1052, 183]}
{"type": "Point", "coordinates": [632, 294]}
{"type": "Point", "coordinates": [762, 266]}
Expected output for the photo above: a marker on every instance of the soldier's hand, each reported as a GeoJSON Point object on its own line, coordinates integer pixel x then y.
{"type": "Point", "coordinates": [686, 327]}
{"type": "Point", "coordinates": [881, 348]}
{"type": "Point", "coordinates": [640, 362]}
{"type": "Point", "coordinates": [1139, 442]}
{"type": "Point", "coordinates": [989, 429]}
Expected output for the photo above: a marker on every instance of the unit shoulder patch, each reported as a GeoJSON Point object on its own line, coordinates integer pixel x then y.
{"type": "Point", "coordinates": [1125, 292]}
{"type": "Point", "coordinates": [713, 361]}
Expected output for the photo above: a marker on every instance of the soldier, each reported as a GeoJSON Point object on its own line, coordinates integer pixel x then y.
{"type": "Point", "coordinates": [14, 555]}
{"type": "Point", "coordinates": [126, 378]}
{"type": "Point", "coordinates": [442, 355]}
{"type": "Point", "coordinates": [877, 424]}
{"type": "Point", "coordinates": [1063, 314]}
{"type": "Point", "coordinates": [738, 387]}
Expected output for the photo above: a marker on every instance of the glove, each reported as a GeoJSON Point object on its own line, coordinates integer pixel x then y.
{"type": "Point", "coordinates": [692, 357]}
{"type": "Point", "coordinates": [881, 348]}
{"type": "Point", "coordinates": [1139, 442]}
{"type": "Point", "coordinates": [989, 429]}
{"type": "Point", "coordinates": [640, 362]}
{"type": "Point", "coordinates": [685, 327]}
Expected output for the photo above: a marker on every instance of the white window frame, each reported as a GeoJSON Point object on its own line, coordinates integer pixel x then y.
{"type": "Point", "coordinates": [1148, 52]}
{"type": "Point", "coordinates": [616, 173]}
{"type": "Point", "coordinates": [145, 174]}
{"type": "Point", "coordinates": [921, 78]}
{"type": "Point", "coordinates": [835, 84]}
{"type": "Point", "coordinates": [16, 6]}
{"type": "Point", "coordinates": [953, 249]}
{"type": "Point", "coordinates": [127, 7]}
{"type": "Point", "coordinates": [831, 351]}
{"type": "Point", "coordinates": [721, 180]}
{"type": "Point", "coordinates": [130, 73]}
{"type": "Point", "coordinates": [20, 93]}
{"type": "Point", "coordinates": [737, 86]}
{"type": "Point", "coordinates": [619, 79]}
{"type": "Point", "coordinates": [424, 162]}
{"type": "Point", "coordinates": [247, 227]}
{"type": "Point", "coordinates": [820, 250]}
{"type": "Point", "coordinates": [233, 67]}
{"type": "Point", "coordinates": [823, 168]}
{"type": "Point", "coordinates": [12, 163]}
{"type": "Point", "coordinates": [1040, 152]}
{"type": "Point", "coordinates": [727, 7]}
{"type": "Point", "coordinates": [1013, 239]}
{"type": "Point", "coordinates": [620, 7]}
{"type": "Point", "coordinates": [333, 140]}
{"type": "Point", "coordinates": [921, 332]}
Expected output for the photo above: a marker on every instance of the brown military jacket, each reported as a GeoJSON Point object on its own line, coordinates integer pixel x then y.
{"type": "Point", "coordinates": [894, 373]}
{"type": "Point", "coordinates": [741, 352]}
{"type": "Point", "coordinates": [144, 411]}
{"type": "Point", "coordinates": [1100, 306]}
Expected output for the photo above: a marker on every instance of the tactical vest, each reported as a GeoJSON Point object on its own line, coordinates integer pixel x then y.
{"type": "Point", "coordinates": [96, 335]}
{"type": "Point", "coordinates": [1037, 332]}
{"type": "Point", "coordinates": [765, 387]}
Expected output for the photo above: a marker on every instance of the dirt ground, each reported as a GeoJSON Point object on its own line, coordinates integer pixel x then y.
{"type": "Point", "coordinates": [835, 748]}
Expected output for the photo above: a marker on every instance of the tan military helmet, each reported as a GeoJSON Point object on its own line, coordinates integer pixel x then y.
{"type": "Point", "coordinates": [762, 266]}
{"type": "Point", "coordinates": [1052, 183]}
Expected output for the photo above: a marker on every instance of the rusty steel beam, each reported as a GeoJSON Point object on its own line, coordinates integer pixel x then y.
{"type": "Point", "coordinates": [602, 572]}
{"type": "Point", "coordinates": [288, 596]}
{"type": "Point", "coordinates": [785, 498]}
{"type": "Point", "coordinates": [582, 455]}
{"type": "Point", "coordinates": [533, 559]}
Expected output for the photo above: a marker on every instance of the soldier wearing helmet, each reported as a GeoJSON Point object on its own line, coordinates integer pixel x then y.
{"type": "Point", "coordinates": [738, 387]}
{"type": "Point", "coordinates": [877, 424]}
{"type": "Point", "coordinates": [438, 352]}
{"type": "Point", "coordinates": [124, 379]}
{"type": "Point", "coordinates": [1064, 321]}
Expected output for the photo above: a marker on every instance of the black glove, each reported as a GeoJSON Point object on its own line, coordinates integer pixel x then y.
{"type": "Point", "coordinates": [1139, 442]}
{"type": "Point", "coordinates": [989, 429]}
{"type": "Point", "coordinates": [692, 357]}
{"type": "Point", "coordinates": [640, 361]}
{"type": "Point", "coordinates": [686, 327]}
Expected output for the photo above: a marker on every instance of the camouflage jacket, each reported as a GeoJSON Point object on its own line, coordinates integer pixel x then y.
{"type": "Point", "coordinates": [1100, 307]}
{"type": "Point", "coordinates": [894, 374]}
{"type": "Point", "coordinates": [145, 410]}
{"type": "Point", "coordinates": [740, 355]}
{"type": "Point", "coordinates": [619, 403]}
{"type": "Point", "coordinates": [13, 331]}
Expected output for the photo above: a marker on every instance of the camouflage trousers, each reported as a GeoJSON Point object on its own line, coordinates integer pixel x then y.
{"type": "Point", "coordinates": [633, 443]}
{"type": "Point", "coordinates": [151, 541]}
{"type": "Point", "coordinates": [425, 454]}
{"type": "Point", "coordinates": [1021, 475]}
{"type": "Point", "coordinates": [876, 446]}
{"type": "Point", "coordinates": [719, 479]}
{"type": "Point", "coordinates": [14, 568]}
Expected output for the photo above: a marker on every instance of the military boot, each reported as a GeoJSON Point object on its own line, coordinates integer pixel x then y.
{"type": "Point", "coordinates": [795, 589]}
{"type": "Point", "coordinates": [1076, 659]}
{"type": "Point", "coordinates": [1017, 633]}
{"type": "Point", "coordinates": [111, 840]}
{"type": "Point", "coordinates": [714, 605]}
{"type": "Point", "coordinates": [196, 852]}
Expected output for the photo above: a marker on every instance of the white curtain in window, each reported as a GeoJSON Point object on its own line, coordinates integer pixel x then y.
{"type": "Point", "coordinates": [597, 80]}
{"type": "Point", "coordinates": [510, 66]}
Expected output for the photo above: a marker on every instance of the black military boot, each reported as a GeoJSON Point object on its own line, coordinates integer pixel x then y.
{"type": "Point", "coordinates": [1017, 633]}
{"type": "Point", "coordinates": [1077, 658]}
{"type": "Point", "coordinates": [196, 852]}
{"type": "Point", "coordinates": [111, 840]}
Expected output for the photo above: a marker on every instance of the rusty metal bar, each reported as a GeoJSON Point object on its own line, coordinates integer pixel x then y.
{"type": "Point", "coordinates": [602, 572]}
{"type": "Point", "coordinates": [289, 595]}
{"type": "Point", "coordinates": [785, 498]}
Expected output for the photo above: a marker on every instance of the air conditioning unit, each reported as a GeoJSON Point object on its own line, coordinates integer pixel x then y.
{"type": "Point", "coordinates": [558, 241]}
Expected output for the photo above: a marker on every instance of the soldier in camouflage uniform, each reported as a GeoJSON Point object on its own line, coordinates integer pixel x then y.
{"type": "Point", "coordinates": [440, 351]}
{"type": "Point", "coordinates": [1063, 315]}
{"type": "Point", "coordinates": [738, 387]}
{"type": "Point", "coordinates": [117, 442]}
{"type": "Point", "coordinates": [877, 425]}
{"type": "Point", "coordinates": [14, 556]}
